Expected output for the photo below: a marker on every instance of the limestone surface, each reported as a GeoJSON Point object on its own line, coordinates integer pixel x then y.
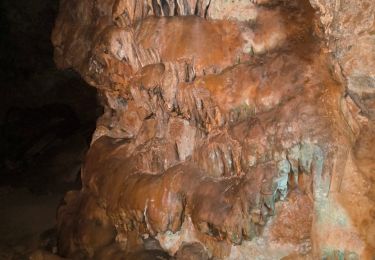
{"type": "Point", "coordinates": [230, 130]}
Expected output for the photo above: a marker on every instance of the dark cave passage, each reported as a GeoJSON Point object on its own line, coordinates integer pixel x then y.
{"type": "Point", "coordinates": [47, 117]}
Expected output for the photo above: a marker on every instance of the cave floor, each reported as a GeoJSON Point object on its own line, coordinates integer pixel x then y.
{"type": "Point", "coordinates": [36, 170]}
{"type": "Point", "coordinates": [26, 218]}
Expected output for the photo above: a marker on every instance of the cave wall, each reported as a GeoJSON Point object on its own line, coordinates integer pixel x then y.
{"type": "Point", "coordinates": [242, 130]}
{"type": "Point", "coordinates": [349, 29]}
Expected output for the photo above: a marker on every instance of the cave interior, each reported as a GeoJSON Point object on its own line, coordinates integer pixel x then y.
{"type": "Point", "coordinates": [187, 129]}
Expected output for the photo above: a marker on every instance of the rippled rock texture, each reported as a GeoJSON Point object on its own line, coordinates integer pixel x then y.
{"type": "Point", "coordinates": [230, 130]}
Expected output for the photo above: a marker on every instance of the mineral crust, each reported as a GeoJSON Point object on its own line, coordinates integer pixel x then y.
{"type": "Point", "coordinates": [231, 130]}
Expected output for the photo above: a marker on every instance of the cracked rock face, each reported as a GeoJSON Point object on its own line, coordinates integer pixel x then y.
{"type": "Point", "coordinates": [350, 30]}
{"type": "Point", "coordinates": [229, 131]}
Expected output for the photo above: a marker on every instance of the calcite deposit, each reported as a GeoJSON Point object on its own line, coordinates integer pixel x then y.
{"type": "Point", "coordinates": [232, 129]}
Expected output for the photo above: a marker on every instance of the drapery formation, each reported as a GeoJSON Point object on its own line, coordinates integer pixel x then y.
{"type": "Point", "coordinates": [227, 128]}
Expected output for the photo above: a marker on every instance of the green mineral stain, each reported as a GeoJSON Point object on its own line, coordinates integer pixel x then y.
{"type": "Point", "coordinates": [352, 256]}
{"type": "Point", "coordinates": [243, 111]}
{"type": "Point", "coordinates": [236, 238]}
{"type": "Point", "coordinates": [338, 254]}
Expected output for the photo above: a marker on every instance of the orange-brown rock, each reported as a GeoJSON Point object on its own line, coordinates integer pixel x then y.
{"type": "Point", "coordinates": [227, 133]}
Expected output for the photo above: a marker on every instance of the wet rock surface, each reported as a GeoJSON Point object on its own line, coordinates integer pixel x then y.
{"type": "Point", "coordinates": [228, 133]}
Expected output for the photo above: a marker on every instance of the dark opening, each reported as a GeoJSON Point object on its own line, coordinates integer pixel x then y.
{"type": "Point", "coordinates": [47, 117]}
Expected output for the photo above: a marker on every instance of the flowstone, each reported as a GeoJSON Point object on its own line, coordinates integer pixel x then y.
{"type": "Point", "coordinates": [227, 134]}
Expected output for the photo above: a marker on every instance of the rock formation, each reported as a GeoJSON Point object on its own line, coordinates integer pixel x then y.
{"type": "Point", "coordinates": [232, 129]}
